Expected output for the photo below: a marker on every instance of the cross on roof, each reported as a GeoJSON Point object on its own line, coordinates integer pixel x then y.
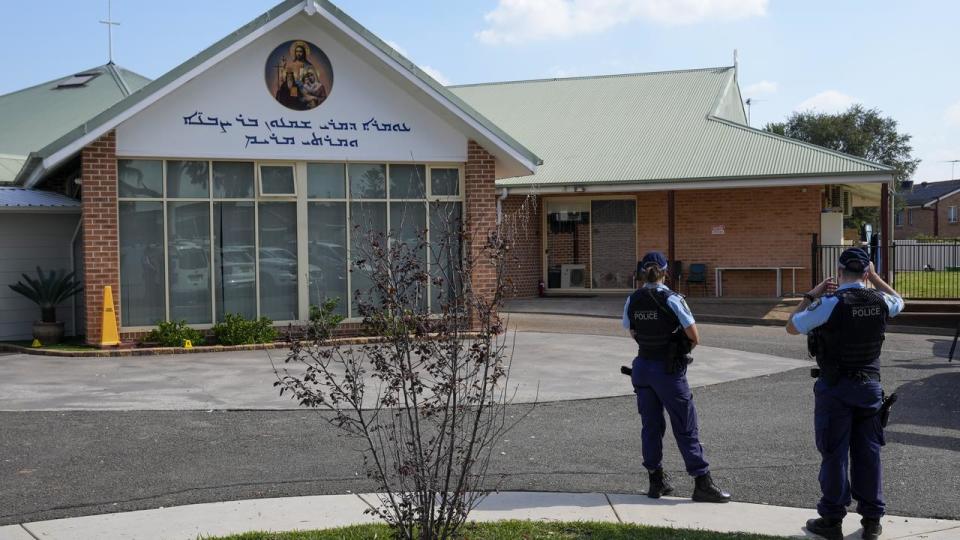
{"type": "Point", "coordinates": [110, 24]}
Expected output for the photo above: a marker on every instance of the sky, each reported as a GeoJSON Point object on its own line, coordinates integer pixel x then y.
{"type": "Point", "coordinates": [899, 57]}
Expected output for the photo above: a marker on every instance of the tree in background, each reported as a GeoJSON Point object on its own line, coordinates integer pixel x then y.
{"type": "Point", "coordinates": [859, 132]}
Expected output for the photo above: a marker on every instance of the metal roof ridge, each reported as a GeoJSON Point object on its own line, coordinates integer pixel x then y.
{"type": "Point", "coordinates": [591, 77]}
{"type": "Point", "coordinates": [812, 146]}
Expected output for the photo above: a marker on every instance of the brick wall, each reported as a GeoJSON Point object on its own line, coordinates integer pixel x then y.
{"type": "Point", "coordinates": [652, 227]}
{"type": "Point", "coordinates": [101, 258]}
{"type": "Point", "coordinates": [922, 223]}
{"type": "Point", "coordinates": [481, 213]}
{"type": "Point", "coordinates": [524, 213]}
{"type": "Point", "coordinates": [762, 227]}
{"type": "Point", "coordinates": [947, 229]}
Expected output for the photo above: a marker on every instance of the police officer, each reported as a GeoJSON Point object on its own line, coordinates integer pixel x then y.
{"type": "Point", "coordinates": [846, 324]}
{"type": "Point", "coordinates": [660, 321]}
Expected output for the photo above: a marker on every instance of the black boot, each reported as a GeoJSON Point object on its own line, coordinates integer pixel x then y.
{"type": "Point", "coordinates": [831, 529]}
{"type": "Point", "coordinates": [659, 484]}
{"type": "Point", "coordinates": [871, 528]}
{"type": "Point", "coordinates": [704, 490]}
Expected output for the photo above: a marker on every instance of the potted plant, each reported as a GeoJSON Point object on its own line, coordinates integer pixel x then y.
{"type": "Point", "coordinates": [48, 291]}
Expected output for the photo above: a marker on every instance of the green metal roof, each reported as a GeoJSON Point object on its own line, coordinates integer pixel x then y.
{"type": "Point", "coordinates": [108, 117]}
{"type": "Point", "coordinates": [34, 117]}
{"type": "Point", "coordinates": [664, 127]}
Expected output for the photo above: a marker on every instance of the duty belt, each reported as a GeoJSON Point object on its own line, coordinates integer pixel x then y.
{"type": "Point", "coordinates": [850, 374]}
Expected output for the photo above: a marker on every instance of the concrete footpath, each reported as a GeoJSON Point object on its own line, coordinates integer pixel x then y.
{"type": "Point", "coordinates": [328, 511]}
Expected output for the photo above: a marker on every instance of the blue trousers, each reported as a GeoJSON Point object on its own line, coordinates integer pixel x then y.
{"type": "Point", "coordinates": [658, 390]}
{"type": "Point", "coordinates": [849, 438]}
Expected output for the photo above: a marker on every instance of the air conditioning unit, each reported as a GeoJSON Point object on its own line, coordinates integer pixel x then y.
{"type": "Point", "coordinates": [573, 276]}
{"type": "Point", "coordinates": [841, 200]}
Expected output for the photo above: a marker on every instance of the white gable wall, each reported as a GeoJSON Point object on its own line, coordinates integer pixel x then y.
{"type": "Point", "coordinates": [236, 87]}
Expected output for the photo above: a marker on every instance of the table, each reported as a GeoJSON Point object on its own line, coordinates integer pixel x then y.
{"type": "Point", "coordinates": [718, 274]}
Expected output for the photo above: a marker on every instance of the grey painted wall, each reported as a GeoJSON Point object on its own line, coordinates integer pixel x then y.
{"type": "Point", "coordinates": [26, 241]}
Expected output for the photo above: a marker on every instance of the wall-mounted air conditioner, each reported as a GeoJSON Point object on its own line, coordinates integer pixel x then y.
{"type": "Point", "coordinates": [841, 200]}
{"type": "Point", "coordinates": [573, 276]}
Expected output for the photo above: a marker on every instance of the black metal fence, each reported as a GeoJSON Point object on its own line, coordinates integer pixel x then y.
{"type": "Point", "coordinates": [927, 270]}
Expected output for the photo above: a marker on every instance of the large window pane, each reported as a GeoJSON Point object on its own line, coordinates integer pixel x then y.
{"type": "Point", "coordinates": [368, 181]}
{"type": "Point", "coordinates": [142, 291]}
{"type": "Point", "coordinates": [326, 181]}
{"type": "Point", "coordinates": [277, 180]}
{"type": "Point", "coordinates": [327, 236]}
{"type": "Point", "coordinates": [408, 182]}
{"type": "Point", "coordinates": [445, 253]}
{"type": "Point", "coordinates": [188, 179]}
{"type": "Point", "coordinates": [234, 256]}
{"type": "Point", "coordinates": [140, 178]}
{"type": "Point", "coordinates": [444, 182]}
{"type": "Point", "coordinates": [408, 224]}
{"type": "Point", "coordinates": [188, 249]}
{"type": "Point", "coordinates": [368, 222]}
{"type": "Point", "coordinates": [232, 180]}
{"type": "Point", "coordinates": [278, 261]}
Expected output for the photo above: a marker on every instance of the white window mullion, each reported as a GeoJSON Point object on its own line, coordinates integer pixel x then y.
{"type": "Point", "coordinates": [303, 242]}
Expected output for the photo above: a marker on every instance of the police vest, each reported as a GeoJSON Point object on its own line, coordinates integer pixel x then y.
{"type": "Point", "coordinates": [652, 321]}
{"type": "Point", "coordinates": [852, 337]}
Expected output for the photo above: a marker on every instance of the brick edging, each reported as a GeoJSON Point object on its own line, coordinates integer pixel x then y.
{"type": "Point", "coordinates": [157, 351]}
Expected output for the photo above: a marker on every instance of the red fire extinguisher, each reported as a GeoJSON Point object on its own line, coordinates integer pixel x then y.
{"type": "Point", "coordinates": [541, 289]}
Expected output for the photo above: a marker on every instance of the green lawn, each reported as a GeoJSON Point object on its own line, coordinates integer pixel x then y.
{"type": "Point", "coordinates": [928, 284]}
{"type": "Point", "coordinates": [526, 530]}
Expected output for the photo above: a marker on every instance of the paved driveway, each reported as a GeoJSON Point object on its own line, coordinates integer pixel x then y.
{"type": "Point", "coordinates": [757, 431]}
{"type": "Point", "coordinates": [546, 367]}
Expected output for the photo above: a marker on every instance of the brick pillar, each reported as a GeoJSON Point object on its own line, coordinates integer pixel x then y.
{"type": "Point", "coordinates": [481, 213]}
{"type": "Point", "coordinates": [101, 256]}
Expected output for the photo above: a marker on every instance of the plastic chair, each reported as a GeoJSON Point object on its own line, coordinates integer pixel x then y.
{"type": "Point", "coordinates": [676, 274]}
{"type": "Point", "coordinates": [698, 274]}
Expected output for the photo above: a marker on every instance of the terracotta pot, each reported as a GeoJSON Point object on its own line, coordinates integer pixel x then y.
{"type": "Point", "coordinates": [49, 333]}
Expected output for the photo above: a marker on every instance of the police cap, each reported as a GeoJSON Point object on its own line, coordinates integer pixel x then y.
{"type": "Point", "coordinates": [855, 260]}
{"type": "Point", "coordinates": [654, 258]}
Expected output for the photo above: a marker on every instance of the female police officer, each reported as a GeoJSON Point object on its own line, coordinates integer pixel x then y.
{"type": "Point", "coordinates": [657, 317]}
{"type": "Point", "coordinates": [847, 323]}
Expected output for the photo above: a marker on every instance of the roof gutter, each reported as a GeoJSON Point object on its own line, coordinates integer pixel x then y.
{"type": "Point", "coordinates": [719, 183]}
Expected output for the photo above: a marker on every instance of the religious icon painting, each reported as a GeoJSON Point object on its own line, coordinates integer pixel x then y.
{"type": "Point", "coordinates": [299, 75]}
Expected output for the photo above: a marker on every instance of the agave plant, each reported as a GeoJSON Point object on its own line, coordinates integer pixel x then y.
{"type": "Point", "coordinates": [48, 291]}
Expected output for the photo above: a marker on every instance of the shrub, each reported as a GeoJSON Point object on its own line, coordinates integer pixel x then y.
{"type": "Point", "coordinates": [236, 330]}
{"type": "Point", "coordinates": [173, 334]}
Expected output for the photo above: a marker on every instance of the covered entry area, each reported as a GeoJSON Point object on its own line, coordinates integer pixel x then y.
{"type": "Point", "coordinates": [590, 243]}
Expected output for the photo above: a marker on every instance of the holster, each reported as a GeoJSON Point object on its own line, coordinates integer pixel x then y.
{"type": "Point", "coordinates": [679, 357]}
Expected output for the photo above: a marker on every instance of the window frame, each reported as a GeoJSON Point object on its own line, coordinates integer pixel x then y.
{"type": "Point", "coordinates": [259, 178]}
{"type": "Point", "coordinates": [302, 199]}
{"type": "Point", "coordinates": [951, 214]}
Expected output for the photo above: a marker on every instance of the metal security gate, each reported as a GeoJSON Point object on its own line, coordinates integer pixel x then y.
{"type": "Point", "coordinates": [919, 270]}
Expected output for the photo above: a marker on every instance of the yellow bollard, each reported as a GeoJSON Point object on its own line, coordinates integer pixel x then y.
{"type": "Point", "coordinates": [36, 343]}
{"type": "Point", "coordinates": [109, 336]}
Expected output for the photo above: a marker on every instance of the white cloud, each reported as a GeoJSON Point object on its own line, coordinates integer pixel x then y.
{"type": "Point", "coordinates": [762, 87]}
{"type": "Point", "coordinates": [953, 114]}
{"type": "Point", "coordinates": [437, 76]}
{"type": "Point", "coordinates": [431, 71]}
{"type": "Point", "coordinates": [830, 101]}
{"type": "Point", "coordinates": [516, 21]}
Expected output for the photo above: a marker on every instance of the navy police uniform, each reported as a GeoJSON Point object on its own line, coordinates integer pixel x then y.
{"type": "Point", "coordinates": [847, 331]}
{"type": "Point", "coordinates": [654, 312]}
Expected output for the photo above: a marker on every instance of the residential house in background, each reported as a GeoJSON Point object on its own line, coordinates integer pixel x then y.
{"type": "Point", "coordinates": [929, 209]}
